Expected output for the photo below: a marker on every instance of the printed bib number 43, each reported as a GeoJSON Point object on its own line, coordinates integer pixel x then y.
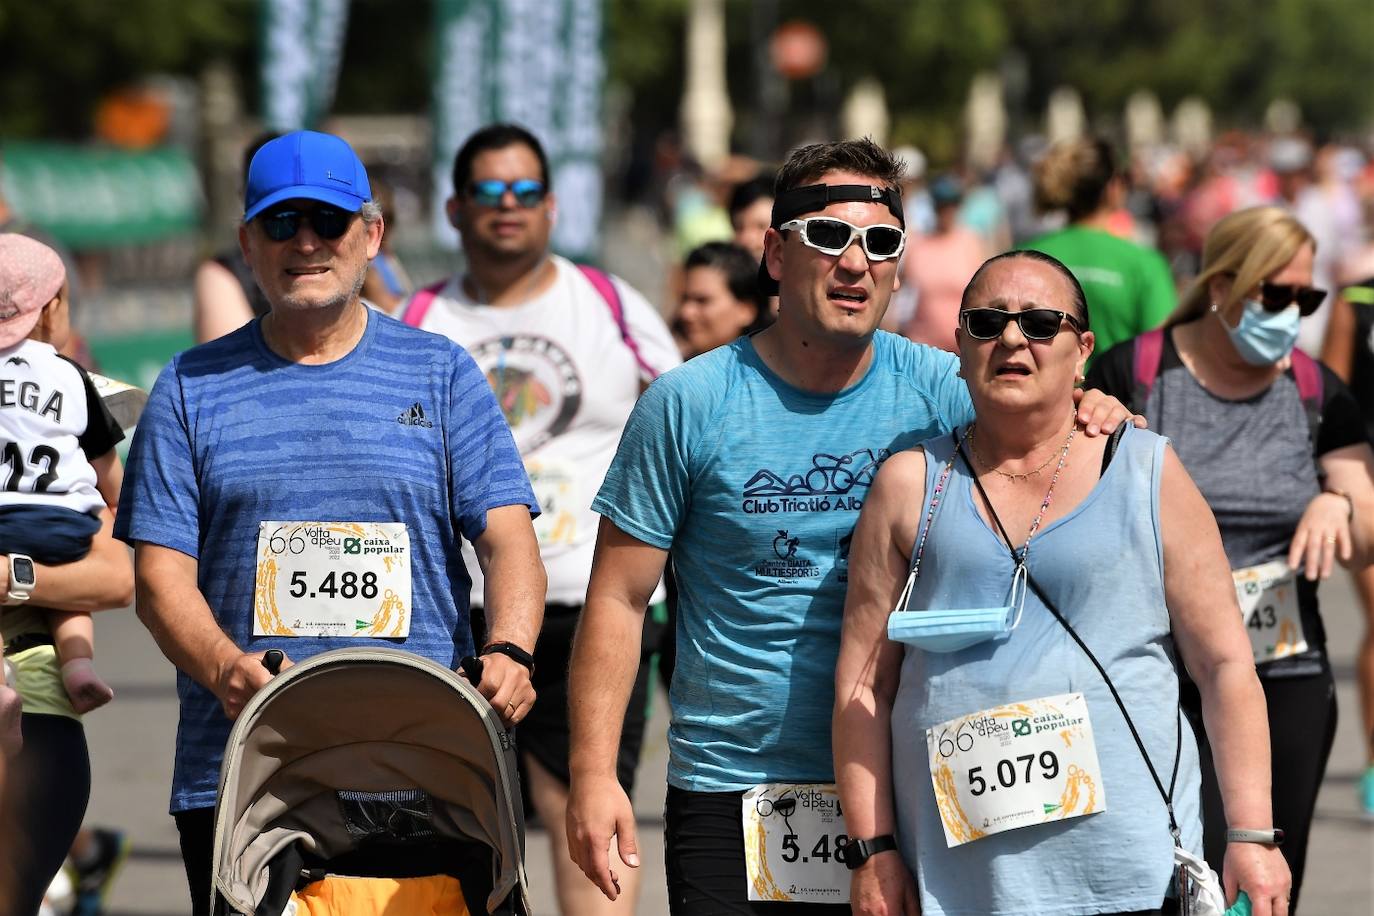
{"type": "Point", "coordinates": [332, 579]}
{"type": "Point", "coordinates": [792, 837]}
{"type": "Point", "coordinates": [1268, 596]}
{"type": "Point", "coordinates": [1011, 766]}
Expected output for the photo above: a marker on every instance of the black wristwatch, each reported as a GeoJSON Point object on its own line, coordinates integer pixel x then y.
{"type": "Point", "coordinates": [856, 852]}
{"type": "Point", "coordinates": [510, 650]}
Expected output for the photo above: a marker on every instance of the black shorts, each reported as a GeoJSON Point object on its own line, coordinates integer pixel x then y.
{"type": "Point", "coordinates": [543, 734]}
{"type": "Point", "coordinates": [703, 839]}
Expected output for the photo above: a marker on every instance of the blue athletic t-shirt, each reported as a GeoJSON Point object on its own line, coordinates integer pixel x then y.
{"type": "Point", "coordinates": [755, 486]}
{"type": "Point", "coordinates": [403, 429]}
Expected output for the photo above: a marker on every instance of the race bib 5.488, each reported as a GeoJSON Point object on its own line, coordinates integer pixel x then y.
{"type": "Point", "coordinates": [332, 579]}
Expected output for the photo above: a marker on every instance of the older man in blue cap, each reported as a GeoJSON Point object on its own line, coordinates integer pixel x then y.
{"type": "Point", "coordinates": [267, 458]}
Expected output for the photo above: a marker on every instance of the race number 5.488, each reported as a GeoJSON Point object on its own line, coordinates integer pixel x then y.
{"type": "Point", "coordinates": [332, 579]}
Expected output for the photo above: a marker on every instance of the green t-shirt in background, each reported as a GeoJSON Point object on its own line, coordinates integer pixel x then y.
{"type": "Point", "coordinates": [1129, 288]}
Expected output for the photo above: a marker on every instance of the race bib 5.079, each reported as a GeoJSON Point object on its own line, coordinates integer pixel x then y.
{"type": "Point", "coordinates": [1015, 765]}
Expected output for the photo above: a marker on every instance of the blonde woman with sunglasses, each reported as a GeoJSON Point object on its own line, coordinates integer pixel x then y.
{"type": "Point", "coordinates": [1277, 446]}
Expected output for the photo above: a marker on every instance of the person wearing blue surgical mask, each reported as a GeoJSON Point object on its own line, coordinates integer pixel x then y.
{"type": "Point", "coordinates": [1006, 726]}
{"type": "Point", "coordinates": [1277, 445]}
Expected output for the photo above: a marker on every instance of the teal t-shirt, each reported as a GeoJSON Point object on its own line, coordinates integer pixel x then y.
{"type": "Point", "coordinates": [1130, 289]}
{"type": "Point", "coordinates": [754, 486]}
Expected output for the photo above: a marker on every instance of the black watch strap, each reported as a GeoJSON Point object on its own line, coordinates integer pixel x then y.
{"type": "Point", "coordinates": [510, 650]}
{"type": "Point", "coordinates": [857, 852]}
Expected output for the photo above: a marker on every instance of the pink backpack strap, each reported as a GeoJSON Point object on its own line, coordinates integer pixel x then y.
{"type": "Point", "coordinates": [1308, 375]}
{"type": "Point", "coordinates": [605, 287]}
{"type": "Point", "coordinates": [1149, 351]}
{"type": "Point", "coordinates": [418, 306]}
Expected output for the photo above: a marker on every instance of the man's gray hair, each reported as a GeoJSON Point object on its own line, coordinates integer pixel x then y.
{"type": "Point", "coordinates": [371, 211]}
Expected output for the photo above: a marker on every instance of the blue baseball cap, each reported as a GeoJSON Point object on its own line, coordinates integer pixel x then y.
{"type": "Point", "coordinates": [306, 165]}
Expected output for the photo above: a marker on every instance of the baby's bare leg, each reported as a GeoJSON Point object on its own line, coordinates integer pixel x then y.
{"type": "Point", "coordinates": [74, 637]}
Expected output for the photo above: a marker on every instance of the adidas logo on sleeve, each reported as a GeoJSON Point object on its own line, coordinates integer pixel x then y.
{"type": "Point", "coordinates": [414, 415]}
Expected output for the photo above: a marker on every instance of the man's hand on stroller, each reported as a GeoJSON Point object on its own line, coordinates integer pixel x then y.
{"type": "Point", "coordinates": [241, 676]}
{"type": "Point", "coordinates": [599, 809]}
{"type": "Point", "coordinates": [506, 685]}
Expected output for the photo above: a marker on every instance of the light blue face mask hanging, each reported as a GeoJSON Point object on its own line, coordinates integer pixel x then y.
{"type": "Point", "coordinates": [952, 629]}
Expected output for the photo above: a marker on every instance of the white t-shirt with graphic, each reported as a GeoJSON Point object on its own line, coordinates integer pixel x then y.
{"type": "Point", "coordinates": [51, 422]}
{"type": "Point", "coordinates": [566, 381]}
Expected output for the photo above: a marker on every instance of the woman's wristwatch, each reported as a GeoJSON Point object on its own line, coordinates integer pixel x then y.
{"type": "Point", "coordinates": [1272, 837]}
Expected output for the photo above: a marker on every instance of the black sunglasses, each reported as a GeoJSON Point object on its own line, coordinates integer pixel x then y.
{"type": "Point", "coordinates": [528, 192]}
{"type": "Point", "coordinates": [328, 222]}
{"type": "Point", "coordinates": [1035, 324]}
{"type": "Point", "coordinates": [1275, 297]}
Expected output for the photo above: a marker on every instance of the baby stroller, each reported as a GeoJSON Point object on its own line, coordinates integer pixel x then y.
{"type": "Point", "coordinates": [364, 781]}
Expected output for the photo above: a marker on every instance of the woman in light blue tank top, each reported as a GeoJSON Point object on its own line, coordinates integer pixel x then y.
{"type": "Point", "coordinates": [974, 723]}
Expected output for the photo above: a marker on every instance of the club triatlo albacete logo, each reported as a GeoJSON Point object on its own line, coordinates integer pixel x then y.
{"type": "Point", "coordinates": [535, 383]}
{"type": "Point", "coordinates": [831, 484]}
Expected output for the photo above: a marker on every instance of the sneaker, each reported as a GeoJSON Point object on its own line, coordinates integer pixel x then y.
{"type": "Point", "coordinates": [94, 879]}
{"type": "Point", "coordinates": [1367, 792]}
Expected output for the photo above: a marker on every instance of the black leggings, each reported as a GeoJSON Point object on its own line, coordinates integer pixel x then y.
{"type": "Point", "coordinates": [704, 841]}
{"type": "Point", "coordinates": [45, 801]}
{"type": "Point", "coordinates": [1302, 727]}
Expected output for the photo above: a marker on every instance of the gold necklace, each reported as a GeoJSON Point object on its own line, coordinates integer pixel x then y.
{"type": "Point", "coordinates": [987, 466]}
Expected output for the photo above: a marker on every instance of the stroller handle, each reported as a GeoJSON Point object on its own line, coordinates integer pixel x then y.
{"type": "Point", "coordinates": [471, 666]}
{"type": "Point", "coordinates": [272, 660]}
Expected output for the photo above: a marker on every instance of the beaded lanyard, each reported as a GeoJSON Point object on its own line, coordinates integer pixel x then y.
{"type": "Point", "coordinates": [935, 504]}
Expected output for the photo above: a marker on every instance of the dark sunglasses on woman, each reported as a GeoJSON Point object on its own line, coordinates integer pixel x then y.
{"type": "Point", "coordinates": [282, 223]}
{"type": "Point", "coordinates": [1275, 297]}
{"type": "Point", "coordinates": [1035, 324]}
{"type": "Point", "coordinates": [528, 192]}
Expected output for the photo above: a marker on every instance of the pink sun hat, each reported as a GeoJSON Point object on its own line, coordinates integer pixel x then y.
{"type": "Point", "coordinates": [31, 274]}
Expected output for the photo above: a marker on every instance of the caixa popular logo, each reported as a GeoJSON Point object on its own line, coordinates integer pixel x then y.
{"type": "Point", "coordinates": [785, 565]}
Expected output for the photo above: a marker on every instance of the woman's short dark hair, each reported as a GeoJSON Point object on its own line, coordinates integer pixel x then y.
{"type": "Point", "coordinates": [741, 272]}
{"type": "Point", "coordinates": [1080, 299]}
{"type": "Point", "coordinates": [496, 136]}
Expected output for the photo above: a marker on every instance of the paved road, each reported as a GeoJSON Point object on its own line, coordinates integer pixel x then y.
{"type": "Point", "coordinates": [131, 745]}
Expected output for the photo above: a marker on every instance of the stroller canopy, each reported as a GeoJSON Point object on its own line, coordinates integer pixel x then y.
{"type": "Point", "coordinates": [366, 749]}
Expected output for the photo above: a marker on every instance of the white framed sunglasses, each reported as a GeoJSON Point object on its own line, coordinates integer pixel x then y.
{"type": "Point", "coordinates": [832, 236]}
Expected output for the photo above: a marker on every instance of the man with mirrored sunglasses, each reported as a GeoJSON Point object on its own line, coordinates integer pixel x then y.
{"type": "Point", "coordinates": [267, 458]}
{"type": "Point", "coordinates": [750, 464]}
{"type": "Point", "coordinates": [568, 350]}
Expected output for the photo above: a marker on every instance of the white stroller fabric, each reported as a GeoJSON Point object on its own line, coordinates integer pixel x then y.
{"type": "Point", "coordinates": [367, 721]}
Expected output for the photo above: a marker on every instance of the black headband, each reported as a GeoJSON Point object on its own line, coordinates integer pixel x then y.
{"type": "Point", "coordinates": [791, 204]}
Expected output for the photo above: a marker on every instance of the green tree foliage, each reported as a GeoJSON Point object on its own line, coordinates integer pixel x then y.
{"type": "Point", "coordinates": [61, 56]}
{"type": "Point", "coordinates": [1238, 55]}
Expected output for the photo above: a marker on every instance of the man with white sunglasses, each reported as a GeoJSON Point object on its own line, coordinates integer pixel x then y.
{"type": "Point", "coordinates": [750, 465]}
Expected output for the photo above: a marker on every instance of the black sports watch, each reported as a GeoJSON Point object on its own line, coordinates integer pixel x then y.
{"type": "Point", "coordinates": [856, 852]}
{"type": "Point", "coordinates": [510, 650]}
